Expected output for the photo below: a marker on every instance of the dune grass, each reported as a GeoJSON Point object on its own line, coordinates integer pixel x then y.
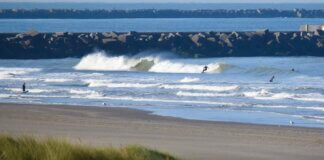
{"type": "Point", "coordinates": [29, 148]}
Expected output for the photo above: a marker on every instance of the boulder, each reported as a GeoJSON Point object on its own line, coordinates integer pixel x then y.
{"type": "Point", "coordinates": [108, 40]}
{"type": "Point", "coordinates": [198, 38]}
{"type": "Point", "coordinates": [124, 38]}
{"type": "Point", "coordinates": [262, 32]}
{"type": "Point", "coordinates": [110, 34]}
{"type": "Point", "coordinates": [59, 34]}
{"type": "Point", "coordinates": [225, 38]}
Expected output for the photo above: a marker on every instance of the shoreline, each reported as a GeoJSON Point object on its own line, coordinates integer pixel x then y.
{"type": "Point", "coordinates": [186, 139]}
{"type": "Point", "coordinates": [156, 114]}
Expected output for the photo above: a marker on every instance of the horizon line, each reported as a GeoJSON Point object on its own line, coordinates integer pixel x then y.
{"type": "Point", "coordinates": [173, 2]}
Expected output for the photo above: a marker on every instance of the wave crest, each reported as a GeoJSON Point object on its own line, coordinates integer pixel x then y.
{"type": "Point", "coordinates": [100, 61]}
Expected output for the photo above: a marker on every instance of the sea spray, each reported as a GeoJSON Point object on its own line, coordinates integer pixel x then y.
{"type": "Point", "coordinates": [144, 62]}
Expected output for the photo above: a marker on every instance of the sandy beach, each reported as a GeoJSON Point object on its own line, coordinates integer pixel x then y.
{"type": "Point", "coordinates": [186, 139]}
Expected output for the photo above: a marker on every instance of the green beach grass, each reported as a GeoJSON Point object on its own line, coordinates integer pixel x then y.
{"type": "Point", "coordinates": [29, 148]}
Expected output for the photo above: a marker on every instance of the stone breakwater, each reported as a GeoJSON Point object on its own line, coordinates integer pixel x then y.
{"type": "Point", "coordinates": [154, 13]}
{"type": "Point", "coordinates": [34, 45]}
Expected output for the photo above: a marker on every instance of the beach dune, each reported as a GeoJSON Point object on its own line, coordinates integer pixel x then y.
{"type": "Point", "coordinates": [186, 139]}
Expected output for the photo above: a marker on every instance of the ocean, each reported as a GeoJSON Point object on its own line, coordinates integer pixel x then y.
{"type": "Point", "coordinates": [232, 89]}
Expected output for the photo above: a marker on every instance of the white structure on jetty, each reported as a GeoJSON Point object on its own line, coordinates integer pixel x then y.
{"type": "Point", "coordinates": [311, 28]}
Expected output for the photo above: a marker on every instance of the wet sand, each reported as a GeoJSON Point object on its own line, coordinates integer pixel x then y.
{"type": "Point", "coordinates": [186, 139]}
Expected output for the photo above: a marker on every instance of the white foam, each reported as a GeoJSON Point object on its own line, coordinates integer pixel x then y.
{"type": "Point", "coordinates": [57, 80]}
{"type": "Point", "coordinates": [31, 90]}
{"type": "Point", "coordinates": [201, 87]}
{"type": "Point", "coordinates": [86, 93]}
{"type": "Point", "coordinates": [310, 97]}
{"type": "Point", "coordinates": [43, 90]}
{"type": "Point", "coordinates": [266, 95]}
{"type": "Point", "coordinates": [4, 95]}
{"type": "Point", "coordinates": [168, 66]}
{"type": "Point", "coordinates": [189, 80]}
{"type": "Point", "coordinates": [317, 118]}
{"type": "Point", "coordinates": [99, 61]}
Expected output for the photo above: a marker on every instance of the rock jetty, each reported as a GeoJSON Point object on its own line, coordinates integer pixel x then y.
{"type": "Point", "coordinates": [34, 45]}
{"type": "Point", "coordinates": [154, 13]}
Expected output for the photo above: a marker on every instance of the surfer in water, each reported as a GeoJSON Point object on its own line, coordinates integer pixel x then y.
{"type": "Point", "coordinates": [204, 69]}
{"type": "Point", "coordinates": [24, 88]}
{"type": "Point", "coordinates": [271, 79]}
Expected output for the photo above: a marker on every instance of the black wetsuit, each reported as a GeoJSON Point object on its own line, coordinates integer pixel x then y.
{"type": "Point", "coordinates": [271, 80]}
{"type": "Point", "coordinates": [24, 87]}
{"type": "Point", "coordinates": [205, 69]}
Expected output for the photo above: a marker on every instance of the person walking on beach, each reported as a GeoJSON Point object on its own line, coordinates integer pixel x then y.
{"type": "Point", "coordinates": [204, 69]}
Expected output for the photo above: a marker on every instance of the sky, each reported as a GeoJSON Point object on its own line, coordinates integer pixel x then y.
{"type": "Point", "coordinates": [176, 1]}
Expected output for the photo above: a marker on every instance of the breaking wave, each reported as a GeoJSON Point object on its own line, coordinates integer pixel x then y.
{"type": "Point", "coordinates": [100, 61]}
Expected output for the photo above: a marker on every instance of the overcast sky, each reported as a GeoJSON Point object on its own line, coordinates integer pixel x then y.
{"type": "Point", "coordinates": [196, 1]}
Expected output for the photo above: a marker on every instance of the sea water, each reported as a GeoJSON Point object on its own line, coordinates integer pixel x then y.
{"type": "Point", "coordinates": [156, 24]}
{"type": "Point", "coordinates": [182, 6]}
{"type": "Point", "coordinates": [232, 89]}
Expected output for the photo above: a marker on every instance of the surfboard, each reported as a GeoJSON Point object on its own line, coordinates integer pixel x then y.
{"type": "Point", "coordinates": [25, 91]}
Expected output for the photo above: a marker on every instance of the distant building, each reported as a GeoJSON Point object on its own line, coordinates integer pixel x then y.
{"type": "Point", "coordinates": [311, 28]}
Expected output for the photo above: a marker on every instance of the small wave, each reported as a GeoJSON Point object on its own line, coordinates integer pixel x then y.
{"type": "Point", "coordinates": [283, 106]}
{"type": "Point", "coordinates": [312, 108]}
{"type": "Point", "coordinates": [189, 80]}
{"type": "Point", "coordinates": [268, 70]}
{"type": "Point", "coordinates": [266, 95]}
{"type": "Point", "coordinates": [222, 104]}
{"type": "Point", "coordinates": [168, 66]}
{"type": "Point", "coordinates": [310, 97]}
{"type": "Point", "coordinates": [317, 118]}
{"type": "Point", "coordinates": [125, 85]}
{"type": "Point", "coordinates": [96, 83]}
{"type": "Point", "coordinates": [79, 91]}
{"type": "Point", "coordinates": [201, 87]}
{"type": "Point", "coordinates": [191, 94]}
{"type": "Point", "coordinates": [263, 92]}
{"type": "Point", "coordinates": [9, 73]}
{"type": "Point", "coordinates": [86, 93]}
{"type": "Point", "coordinates": [31, 90]}
{"type": "Point", "coordinates": [57, 80]}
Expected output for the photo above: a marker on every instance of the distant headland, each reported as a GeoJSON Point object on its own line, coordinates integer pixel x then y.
{"type": "Point", "coordinates": [156, 13]}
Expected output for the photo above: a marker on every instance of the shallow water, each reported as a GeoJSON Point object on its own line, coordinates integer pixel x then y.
{"type": "Point", "coordinates": [232, 89]}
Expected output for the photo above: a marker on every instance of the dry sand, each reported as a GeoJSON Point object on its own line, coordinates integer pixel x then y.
{"type": "Point", "coordinates": [186, 139]}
